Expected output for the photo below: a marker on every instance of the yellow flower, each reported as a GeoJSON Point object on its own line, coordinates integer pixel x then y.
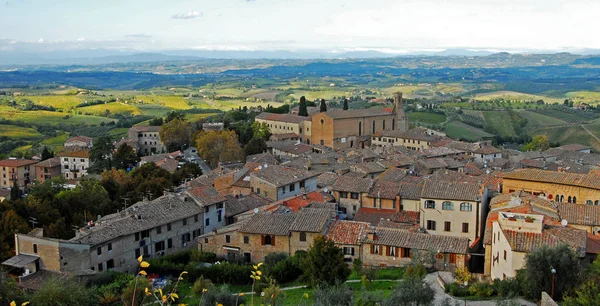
{"type": "Point", "coordinates": [164, 298]}
{"type": "Point", "coordinates": [174, 296]}
{"type": "Point", "coordinates": [160, 291]}
{"type": "Point", "coordinates": [241, 294]}
{"type": "Point", "coordinates": [13, 303]}
{"type": "Point", "coordinates": [147, 292]}
{"type": "Point", "coordinates": [144, 264]}
{"type": "Point", "coordinates": [253, 273]}
{"type": "Point", "coordinates": [273, 295]}
{"type": "Point", "coordinates": [25, 304]}
{"type": "Point", "coordinates": [255, 268]}
{"type": "Point", "coordinates": [260, 264]}
{"type": "Point", "coordinates": [143, 273]}
{"type": "Point", "coordinates": [204, 290]}
{"type": "Point", "coordinates": [257, 278]}
{"type": "Point", "coordinates": [219, 304]}
{"type": "Point", "coordinates": [140, 258]}
{"type": "Point", "coordinates": [258, 272]}
{"type": "Point", "coordinates": [305, 295]}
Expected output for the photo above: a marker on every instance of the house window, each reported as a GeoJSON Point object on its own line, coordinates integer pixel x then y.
{"type": "Point", "coordinates": [302, 183]}
{"type": "Point", "coordinates": [185, 222]}
{"type": "Point", "coordinates": [110, 264]}
{"type": "Point", "coordinates": [100, 267]}
{"type": "Point", "coordinates": [343, 195]}
{"type": "Point", "coordinates": [137, 253]}
{"type": "Point", "coordinates": [447, 226]}
{"type": "Point", "coordinates": [392, 251]}
{"type": "Point", "coordinates": [466, 207]}
{"type": "Point", "coordinates": [303, 237]}
{"type": "Point", "coordinates": [359, 128]}
{"type": "Point", "coordinates": [447, 205]}
{"type": "Point", "coordinates": [268, 240]}
{"type": "Point", "coordinates": [99, 250]}
{"type": "Point", "coordinates": [349, 251]}
{"type": "Point", "coordinates": [384, 124]}
{"type": "Point", "coordinates": [354, 195]}
{"type": "Point", "coordinates": [431, 225]}
{"type": "Point", "coordinates": [374, 249]}
{"type": "Point", "coordinates": [227, 239]}
{"type": "Point", "coordinates": [206, 222]}
{"type": "Point", "coordinates": [207, 208]}
{"type": "Point", "coordinates": [109, 247]}
{"type": "Point", "coordinates": [35, 248]}
{"type": "Point", "coordinates": [168, 227]}
{"type": "Point", "coordinates": [220, 206]}
{"type": "Point", "coordinates": [292, 187]}
{"type": "Point", "coordinates": [145, 234]}
{"type": "Point", "coordinates": [195, 218]}
{"type": "Point", "coordinates": [430, 204]}
{"type": "Point", "coordinates": [373, 126]}
{"type": "Point", "coordinates": [246, 239]}
{"type": "Point", "coordinates": [405, 251]}
{"type": "Point", "coordinates": [504, 254]}
{"type": "Point", "coordinates": [465, 227]}
{"type": "Point", "coordinates": [219, 216]}
{"type": "Point", "coordinates": [170, 243]}
{"type": "Point", "coordinates": [158, 230]}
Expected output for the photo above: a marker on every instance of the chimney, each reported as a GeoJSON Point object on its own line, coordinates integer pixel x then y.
{"type": "Point", "coordinates": [373, 236]}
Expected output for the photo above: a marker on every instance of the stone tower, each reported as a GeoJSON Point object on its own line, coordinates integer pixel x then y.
{"type": "Point", "coordinates": [401, 118]}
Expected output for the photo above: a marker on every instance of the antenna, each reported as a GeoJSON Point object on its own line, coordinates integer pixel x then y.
{"type": "Point", "coordinates": [33, 221]}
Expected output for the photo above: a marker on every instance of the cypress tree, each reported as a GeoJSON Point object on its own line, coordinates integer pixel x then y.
{"type": "Point", "coordinates": [323, 106]}
{"type": "Point", "coordinates": [303, 111]}
{"type": "Point", "coordinates": [345, 104]}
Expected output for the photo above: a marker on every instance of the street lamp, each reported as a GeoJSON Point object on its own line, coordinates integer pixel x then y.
{"type": "Point", "coordinates": [553, 273]}
{"type": "Point", "coordinates": [465, 296]}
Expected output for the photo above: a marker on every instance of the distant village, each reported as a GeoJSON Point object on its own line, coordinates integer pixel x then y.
{"type": "Point", "coordinates": [381, 191]}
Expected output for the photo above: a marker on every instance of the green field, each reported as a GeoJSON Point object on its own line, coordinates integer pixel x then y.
{"type": "Point", "coordinates": [426, 118]}
{"type": "Point", "coordinates": [571, 134]}
{"type": "Point", "coordinates": [56, 142]}
{"type": "Point", "coordinates": [18, 132]}
{"type": "Point", "coordinates": [112, 108]}
{"type": "Point", "coordinates": [515, 96]}
{"type": "Point", "coordinates": [21, 150]}
{"type": "Point", "coordinates": [49, 118]}
{"type": "Point", "coordinates": [153, 110]}
{"type": "Point", "coordinates": [173, 102]}
{"type": "Point", "coordinates": [460, 130]}
{"type": "Point", "coordinates": [500, 122]}
{"type": "Point", "coordinates": [590, 97]}
{"type": "Point", "coordinates": [538, 120]}
{"type": "Point", "coordinates": [63, 102]}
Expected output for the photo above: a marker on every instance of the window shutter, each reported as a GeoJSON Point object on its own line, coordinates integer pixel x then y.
{"type": "Point", "coordinates": [273, 240]}
{"type": "Point", "coordinates": [372, 249]}
{"type": "Point", "coordinates": [352, 251]}
{"type": "Point", "coordinates": [262, 239]}
{"type": "Point", "coordinates": [398, 250]}
{"type": "Point", "coordinates": [388, 250]}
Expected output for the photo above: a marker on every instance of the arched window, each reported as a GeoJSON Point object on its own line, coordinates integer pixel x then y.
{"type": "Point", "coordinates": [447, 205]}
{"type": "Point", "coordinates": [384, 124]}
{"type": "Point", "coordinates": [589, 202]}
{"type": "Point", "coordinates": [466, 207]}
{"type": "Point", "coordinates": [574, 200]}
{"type": "Point", "coordinates": [322, 121]}
{"type": "Point", "coordinates": [322, 142]}
{"type": "Point", "coordinates": [360, 128]}
{"type": "Point", "coordinates": [373, 126]}
{"type": "Point", "coordinates": [430, 204]}
{"type": "Point", "coordinates": [569, 199]}
{"type": "Point", "coordinates": [307, 141]}
{"type": "Point", "coordinates": [597, 203]}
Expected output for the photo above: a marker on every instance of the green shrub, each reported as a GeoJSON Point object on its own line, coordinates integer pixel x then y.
{"type": "Point", "coordinates": [369, 298]}
{"type": "Point", "coordinates": [273, 258]}
{"type": "Point", "coordinates": [508, 287]}
{"type": "Point", "coordinates": [418, 271]}
{"type": "Point", "coordinates": [199, 256]}
{"type": "Point", "coordinates": [200, 284]}
{"type": "Point", "coordinates": [221, 296]}
{"type": "Point", "coordinates": [286, 270]}
{"type": "Point", "coordinates": [481, 289]}
{"type": "Point", "coordinates": [390, 273]}
{"type": "Point", "coordinates": [357, 266]}
{"type": "Point", "coordinates": [339, 295]}
{"type": "Point", "coordinates": [455, 289]}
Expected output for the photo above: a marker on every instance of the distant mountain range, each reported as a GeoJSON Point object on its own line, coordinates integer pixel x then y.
{"type": "Point", "coordinates": [102, 56]}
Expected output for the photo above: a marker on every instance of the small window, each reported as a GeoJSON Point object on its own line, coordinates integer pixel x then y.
{"type": "Point", "coordinates": [220, 206]}
{"type": "Point", "coordinates": [292, 187]}
{"type": "Point", "coordinates": [110, 264]}
{"type": "Point", "coordinates": [303, 237]}
{"type": "Point", "coordinates": [344, 195]}
{"type": "Point", "coordinates": [168, 227]}
{"type": "Point", "coordinates": [431, 225]}
{"type": "Point", "coordinates": [447, 205]}
{"type": "Point", "coordinates": [465, 227]}
{"type": "Point", "coordinates": [354, 195]}
{"type": "Point", "coordinates": [35, 248]}
{"type": "Point", "coordinates": [109, 247]}
{"type": "Point", "coordinates": [206, 222]}
{"type": "Point", "coordinates": [447, 226]}
{"type": "Point", "coordinates": [374, 249]}
{"type": "Point", "coordinates": [195, 218]}
{"type": "Point", "coordinates": [185, 222]}
{"type": "Point", "coordinates": [158, 230]}
{"type": "Point", "coordinates": [504, 254]}
{"type": "Point", "coordinates": [430, 204]}
{"type": "Point", "coordinates": [99, 250]}
{"type": "Point", "coordinates": [137, 253]}
{"type": "Point", "coordinates": [246, 239]}
{"type": "Point", "coordinates": [100, 267]}
{"type": "Point", "coordinates": [268, 240]}
{"type": "Point", "coordinates": [206, 209]}
{"type": "Point", "coordinates": [405, 252]}
{"type": "Point", "coordinates": [466, 207]}
{"type": "Point", "coordinates": [170, 243]}
{"type": "Point", "coordinates": [227, 238]}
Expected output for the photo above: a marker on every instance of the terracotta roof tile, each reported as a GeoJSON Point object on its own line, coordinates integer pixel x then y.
{"type": "Point", "coordinates": [590, 180]}
{"type": "Point", "coordinates": [312, 220]}
{"type": "Point", "coordinates": [580, 214]}
{"type": "Point", "coordinates": [410, 191]}
{"type": "Point", "coordinates": [352, 184]}
{"type": "Point", "coordinates": [421, 241]}
{"type": "Point", "coordinates": [269, 224]}
{"type": "Point", "coordinates": [356, 113]}
{"type": "Point", "coordinates": [393, 175]}
{"type": "Point", "coordinates": [384, 190]}
{"type": "Point", "coordinates": [282, 117]}
{"type": "Point", "coordinates": [205, 195]}
{"type": "Point", "coordinates": [16, 162]}
{"type": "Point", "coordinates": [347, 232]}
{"type": "Point", "coordinates": [451, 191]}
{"type": "Point", "coordinates": [280, 176]}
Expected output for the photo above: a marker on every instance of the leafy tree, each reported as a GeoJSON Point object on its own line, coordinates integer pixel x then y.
{"type": "Point", "coordinates": [538, 143]}
{"type": "Point", "coordinates": [10, 223]}
{"type": "Point", "coordinates": [10, 290]}
{"type": "Point", "coordinates": [323, 107]}
{"type": "Point", "coordinates": [255, 146]}
{"type": "Point", "coordinates": [60, 292]}
{"type": "Point", "coordinates": [302, 111]}
{"type": "Point", "coordinates": [47, 154]}
{"type": "Point", "coordinates": [345, 104]}
{"type": "Point", "coordinates": [413, 292]}
{"type": "Point", "coordinates": [537, 275]}
{"type": "Point", "coordinates": [101, 154]}
{"type": "Point", "coordinates": [175, 116]}
{"type": "Point", "coordinates": [156, 122]}
{"type": "Point", "coordinates": [188, 170]}
{"type": "Point", "coordinates": [338, 295]}
{"type": "Point", "coordinates": [588, 292]}
{"type": "Point", "coordinates": [15, 191]}
{"type": "Point", "coordinates": [175, 133]}
{"type": "Point", "coordinates": [324, 263]}
{"type": "Point", "coordinates": [85, 201]}
{"type": "Point", "coordinates": [261, 130]}
{"type": "Point", "coordinates": [218, 146]}
{"type": "Point", "coordinates": [125, 157]}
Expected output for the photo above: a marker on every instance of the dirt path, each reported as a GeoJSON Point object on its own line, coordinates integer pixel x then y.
{"type": "Point", "coordinates": [590, 132]}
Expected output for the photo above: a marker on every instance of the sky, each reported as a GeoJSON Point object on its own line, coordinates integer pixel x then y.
{"type": "Point", "coordinates": [391, 26]}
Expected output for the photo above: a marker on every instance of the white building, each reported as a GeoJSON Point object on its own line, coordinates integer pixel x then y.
{"type": "Point", "coordinates": [74, 164]}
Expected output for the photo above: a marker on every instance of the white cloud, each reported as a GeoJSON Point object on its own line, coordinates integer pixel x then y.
{"type": "Point", "coordinates": [80, 39]}
{"type": "Point", "coordinates": [188, 15]}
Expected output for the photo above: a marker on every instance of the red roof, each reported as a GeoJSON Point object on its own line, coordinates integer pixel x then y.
{"type": "Point", "coordinates": [16, 162]}
{"type": "Point", "coordinates": [298, 202]}
{"type": "Point", "coordinates": [347, 232]}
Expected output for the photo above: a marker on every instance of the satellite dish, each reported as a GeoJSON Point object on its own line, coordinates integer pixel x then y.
{"type": "Point", "coordinates": [266, 165]}
{"type": "Point", "coordinates": [325, 189]}
{"type": "Point", "coordinates": [564, 222]}
{"type": "Point", "coordinates": [256, 210]}
{"type": "Point", "coordinates": [259, 167]}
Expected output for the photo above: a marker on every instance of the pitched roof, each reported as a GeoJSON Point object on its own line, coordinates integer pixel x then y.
{"type": "Point", "coordinates": [312, 220]}
{"type": "Point", "coordinates": [552, 236]}
{"type": "Point", "coordinates": [262, 158]}
{"type": "Point", "coordinates": [352, 184]}
{"type": "Point", "coordinates": [205, 195]}
{"type": "Point", "coordinates": [413, 134]}
{"type": "Point", "coordinates": [290, 146]}
{"type": "Point", "coordinates": [49, 163]}
{"type": "Point", "coordinates": [300, 201]}
{"type": "Point", "coordinates": [75, 153]}
{"type": "Point", "coordinates": [579, 214]}
{"type": "Point", "coordinates": [327, 179]}
{"type": "Point", "coordinates": [355, 113]}
{"type": "Point", "coordinates": [590, 180]}
{"type": "Point", "coordinates": [280, 176]}
{"type": "Point", "coordinates": [384, 190]}
{"type": "Point", "coordinates": [234, 206]}
{"type": "Point", "coordinates": [13, 162]}
{"type": "Point", "coordinates": [162, 210]}
{"type": "Point", "coordinates": [87, 140]}
{"type": "Point", "coordinates": [393, 175]}
{"type": "Point", "coordinates": [410, 191]}
{"type": "Point", "coordinates": [421, 241]}
{"type": "Point", "coordinates": [145, 128]}
{"type": "Point", "coordinates": [487, 150]}
{"type": "Point", "coordinates": [269, 224]}
{"type": "Point", "coordinates": [281, 117]}
{"type": "Point", "coordinates": [573, 147]}
{"type": "Point", "coordinates": [347, 232]}
{"type": "Point", "coordinates": [451, 191]}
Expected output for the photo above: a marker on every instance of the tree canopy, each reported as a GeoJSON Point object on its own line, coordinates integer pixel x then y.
{"type": "Point", "coordinates": [345, 104]}
{"type": "Point", "coordinates": [176, 133]}
{"type": "Point", "coordinates": [302, 111]}
{"type": "Point", "coordinates": [125, 157]}
{"type": "Point", "coordinates": [219, 146]}
{"type": "Point", "coordinates": [323, 106]}
{"type": "Point", "coordinates": [538, 143]}
{"type": "Point", "coordinates": [324, 264]}
{"type": "Point", "coordinates": [101, 154]}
